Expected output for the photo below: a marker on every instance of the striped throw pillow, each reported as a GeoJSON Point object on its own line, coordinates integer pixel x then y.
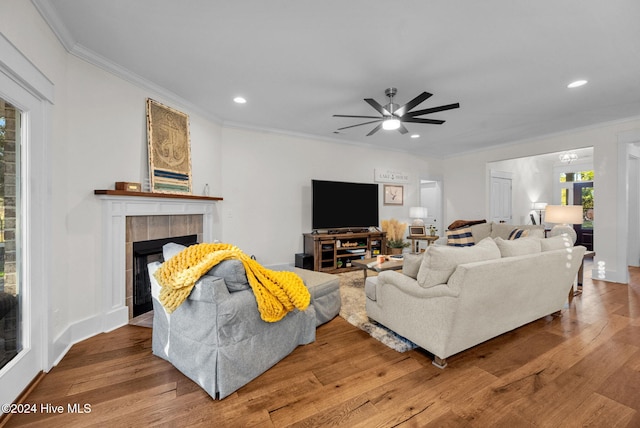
{"type": "Point", "coordinates": [461, 237]}
{"type": "Point", "coordinates": [518, 233]}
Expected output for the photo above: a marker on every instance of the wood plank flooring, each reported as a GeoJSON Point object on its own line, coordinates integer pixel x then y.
{"type": "Point", "coordinates": [579, 369]}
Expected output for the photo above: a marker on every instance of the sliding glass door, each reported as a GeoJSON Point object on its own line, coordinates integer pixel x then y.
{"type": "Point", "coordinates": [11, 334]}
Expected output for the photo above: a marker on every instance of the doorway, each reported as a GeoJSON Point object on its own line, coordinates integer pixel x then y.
{"type": "Point", "coordinates": [583, 195]}
{"type": "Point", "coordinates": [431, 199]}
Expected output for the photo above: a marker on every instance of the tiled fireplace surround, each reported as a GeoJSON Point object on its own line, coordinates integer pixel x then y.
{"type": "Point", "coordinates": [144, 228]}
{"type": "Point", "coordinates": [127, 219]}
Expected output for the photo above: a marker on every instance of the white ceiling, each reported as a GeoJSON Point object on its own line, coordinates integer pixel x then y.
{"type": "Point", "coordinates": [298, 62]}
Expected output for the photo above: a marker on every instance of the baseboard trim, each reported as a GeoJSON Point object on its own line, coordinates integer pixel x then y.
{"type": "Point", "coordinates": [84, 329]}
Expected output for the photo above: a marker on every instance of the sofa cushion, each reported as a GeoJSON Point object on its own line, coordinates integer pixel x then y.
{"type": "Point", "coordinates": [460, 237]}
{"type": "Point", "coordinates": [518, 247]}
{"type": "Point", "coordinates": [411, 265]}
{"type": "Point", "coordinates": [559, 242]}
{"type": "Point", "coordinates": [481, 231]}
{"type": "Point", "coordinates": [439, 262]}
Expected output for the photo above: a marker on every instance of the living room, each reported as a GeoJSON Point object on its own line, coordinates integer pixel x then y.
{"type": "Point", "coordinates": [97, 136]}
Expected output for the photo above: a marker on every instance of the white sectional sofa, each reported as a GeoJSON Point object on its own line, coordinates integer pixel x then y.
{"type": "Point", "coordinates": [453, 298]}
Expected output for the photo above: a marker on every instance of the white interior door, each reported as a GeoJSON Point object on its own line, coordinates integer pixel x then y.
{"type": "Point", "coordinates": [500, 199]}
{"type": "Point", "coordinates": [431, 199]}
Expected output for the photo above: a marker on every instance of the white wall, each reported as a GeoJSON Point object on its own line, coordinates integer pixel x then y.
{"type": "Point", "coordinates": [466, 185]}
{"type": "Point", "coordinates": [99, 137]}
{"type": "Point", "coordinates": [267, 186]}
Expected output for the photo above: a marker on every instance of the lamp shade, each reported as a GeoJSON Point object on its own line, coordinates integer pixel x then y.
{"type": "Point", "coordinates": [417, 212]}
{"type": "Point", "coordinates": [563, 214]}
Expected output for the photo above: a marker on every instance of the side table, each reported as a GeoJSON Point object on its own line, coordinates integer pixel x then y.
{"type": "Point", "coordinates": [415, 241]}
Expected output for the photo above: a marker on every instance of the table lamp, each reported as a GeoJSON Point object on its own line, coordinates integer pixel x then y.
{"type": "Point", "coordinates": [418, 214]}
{"type": "Point", "coordinates": [539, 207]}
{"type": "Point", "coordinates": [564, 216]}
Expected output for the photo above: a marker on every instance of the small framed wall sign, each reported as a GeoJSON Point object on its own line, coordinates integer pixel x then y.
{"type": "Point", "coordinates": [393, 194]}
{"type": "Point", "coordinates": [417, 231]}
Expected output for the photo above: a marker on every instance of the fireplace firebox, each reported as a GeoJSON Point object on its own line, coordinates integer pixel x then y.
{"type": "Point", "coordinates": [145, 252]}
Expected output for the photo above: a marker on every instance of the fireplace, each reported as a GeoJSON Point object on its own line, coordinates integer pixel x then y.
{"type": "Point", "coordinates": [130, 217]}
{"type": "Point", "coordinates": [145, 252]}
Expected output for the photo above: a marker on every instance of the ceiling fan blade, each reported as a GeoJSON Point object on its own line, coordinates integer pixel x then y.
{"type": "Point", "coordinates": [374, 130]}
{"type": "Point", "coordinates": [359, 124]}
{"type": "Point", "coordinates": [411, 104]}
{"type": "Point", "coordinates": [421, 120]}
{"type": "Point", "coordinates": [358, 117]}
{"type": "Point", "coordinates": [432, 110]}
{"type": "Point", "coordinates": [402, 129]}
{"type": "Point", "coordinates": [379, 108]}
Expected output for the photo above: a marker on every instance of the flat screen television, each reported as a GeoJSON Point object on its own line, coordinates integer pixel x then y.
{"type": "Point", "coordinates": [339, 205]}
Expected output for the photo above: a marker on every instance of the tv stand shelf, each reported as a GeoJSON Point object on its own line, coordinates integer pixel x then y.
{"type": "Point", "coordinates": [333, 252]}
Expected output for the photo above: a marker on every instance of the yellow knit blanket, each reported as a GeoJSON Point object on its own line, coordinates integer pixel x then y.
{"type": "Point", "coordinates": [277, 293]}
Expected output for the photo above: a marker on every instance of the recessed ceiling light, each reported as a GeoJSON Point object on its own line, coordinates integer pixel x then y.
{"type": "Point", "coordinates": [415, 136]}
{"type": "Point", "coordinates": [240, 100]}
{"type": "Point", "coordinates": [577, 84]}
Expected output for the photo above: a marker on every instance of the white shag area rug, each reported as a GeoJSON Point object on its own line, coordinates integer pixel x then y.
{"type": "Point", "coordinates": [353, 310]}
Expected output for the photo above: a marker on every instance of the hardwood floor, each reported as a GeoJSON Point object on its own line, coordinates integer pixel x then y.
{"type": "Point", "coordinates": [579, 369]}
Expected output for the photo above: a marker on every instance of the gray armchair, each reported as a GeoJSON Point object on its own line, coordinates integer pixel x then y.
{"type": "Point", "coordinates": [217, 338]}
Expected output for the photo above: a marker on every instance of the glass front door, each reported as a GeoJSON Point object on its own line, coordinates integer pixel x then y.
{"type": "Point", "coordinates": [583, 195]}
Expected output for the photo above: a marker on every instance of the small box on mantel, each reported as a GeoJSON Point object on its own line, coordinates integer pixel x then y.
{"type": "Point", "coordinates": [128, 187]}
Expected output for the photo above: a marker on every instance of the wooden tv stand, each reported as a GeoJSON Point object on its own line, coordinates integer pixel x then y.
{"type": "Point", "coordinates": [333, 252]}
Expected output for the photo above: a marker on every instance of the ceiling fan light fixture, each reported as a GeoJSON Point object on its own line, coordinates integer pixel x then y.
{"type": "Point", "coordinates": [391, 124]}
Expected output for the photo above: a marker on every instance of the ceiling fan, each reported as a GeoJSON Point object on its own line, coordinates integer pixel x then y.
{"type": "Point", "coordinates": [394, 116]}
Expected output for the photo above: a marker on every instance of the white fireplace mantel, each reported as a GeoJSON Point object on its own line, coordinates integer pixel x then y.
{"type": "Point", "coordinates": [115, 209]}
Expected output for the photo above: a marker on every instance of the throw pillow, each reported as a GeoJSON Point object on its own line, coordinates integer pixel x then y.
{"type": "Point", "coordinates": [518, 233]}
{"type": "Point", "coordinates": [559, 242]}
{"type": "Point", "coordinates": [171, 249]}
{"type": "Point", "coordinates": [518, 247]}
{"type": "Point", "coordinates": [233, 273]}
{"type": "Point", "coordinates": [411, 264]}
{"type": "Point", "coordinates": [461, 237]}
{"type": "Point", "coordinates": [439, 262]}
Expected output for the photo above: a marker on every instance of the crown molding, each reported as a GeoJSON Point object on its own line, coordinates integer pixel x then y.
{"type": "Point", "coordinates": [52, 19]}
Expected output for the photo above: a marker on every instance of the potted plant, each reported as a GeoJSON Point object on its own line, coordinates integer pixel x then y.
{"type": "Point", "coordinates": [395, 233]}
